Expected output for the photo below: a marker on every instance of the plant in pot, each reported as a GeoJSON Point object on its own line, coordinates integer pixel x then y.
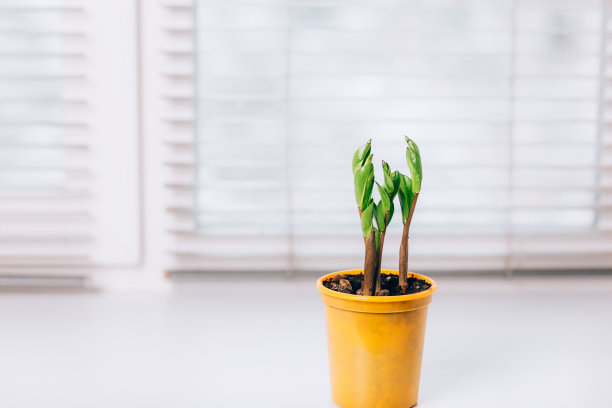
{"type": "Point", "coordinates": [376, 317]}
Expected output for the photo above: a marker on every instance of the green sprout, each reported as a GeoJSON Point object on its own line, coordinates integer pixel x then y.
{"type": "Point", "coordinates": [395, 184]}
{"type": "Point", "coordinates": [363, 174]}
{"type": "Point", "coordinates": [408, 195]}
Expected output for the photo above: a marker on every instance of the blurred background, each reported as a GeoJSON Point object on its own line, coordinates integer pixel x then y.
{"type": "Point", "coordinates": [190, 148]}
{"type": "Point", "coordinates": [217, 136]}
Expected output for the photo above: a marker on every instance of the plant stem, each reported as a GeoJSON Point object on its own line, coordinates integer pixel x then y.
{"type": "Point", "coordinates": [369, 267]}
{"type": "Point", "coordinates": [378, 264]}
{"type": "Point", "coordinates": [379, 258]}
{"type": "Point", "coordinates": [403, 255]}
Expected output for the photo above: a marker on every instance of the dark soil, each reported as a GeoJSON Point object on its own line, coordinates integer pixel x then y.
{"type": "Point", "coordinates": [351, 284]}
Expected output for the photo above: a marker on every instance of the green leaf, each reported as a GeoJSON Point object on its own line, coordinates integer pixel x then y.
{"type": "Point", "coordinates": [389, 184]}
{"type": "Point", "coordinates": [361, 154]}
{"type": "Point", "coordinates": [391, 210]}
{"type": "Point", "coordinates": [384, 197]}
{"type": "Point", "coordinates": [364, 183]}
{"type": "Point", "coordinates": [387, 174]}
{"type": "Point", "coordinates": [379, 214]}
{"type": "Point", "coordinates": [386, 168]}
{"type": "Point", "coordinates": [366, 220]}
{"type": "Point", "coordinates": [395, 176]}
{"type": "Point", "coordinates": [413, 157]}
{"type": "Point", "coordinates": [369, 186]}
{"type": "Point", "coordinates": [405, 195]}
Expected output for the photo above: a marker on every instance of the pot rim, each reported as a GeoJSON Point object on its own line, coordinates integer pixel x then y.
{"type": "Point", "coordinates": [376, 299]}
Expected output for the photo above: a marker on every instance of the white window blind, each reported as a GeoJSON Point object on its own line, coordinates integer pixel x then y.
{"type": "Point", "coordinates": [68, 136]}
{"type": "Point", "coordinates": [508, 101]}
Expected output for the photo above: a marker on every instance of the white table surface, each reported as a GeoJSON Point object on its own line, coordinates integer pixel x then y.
{"type": "Point", "coordinates": [525, 342]}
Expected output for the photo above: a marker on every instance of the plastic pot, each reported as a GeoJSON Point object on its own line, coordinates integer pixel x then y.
{"type": "Point", "coordinates": [375, 345]}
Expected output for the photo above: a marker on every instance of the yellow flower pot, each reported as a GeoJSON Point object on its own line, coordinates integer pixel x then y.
{"type": "Point", "coordinates": [375, 345]}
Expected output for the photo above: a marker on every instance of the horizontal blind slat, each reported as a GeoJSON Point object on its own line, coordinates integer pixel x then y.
{"type": "Point", "coordinates": [507, 108]}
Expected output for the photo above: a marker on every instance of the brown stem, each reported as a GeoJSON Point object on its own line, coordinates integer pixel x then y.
{"type": "Point", "coordinates": [378, 264]}
{"type": "Point", "coordinates": [369, 267]}
{"type": "Point", "coordinates": [403, 255]}
{"type": "Point", "coordinates": [379, 257]}
{"type": "Point", "coordinates": [403, 260]}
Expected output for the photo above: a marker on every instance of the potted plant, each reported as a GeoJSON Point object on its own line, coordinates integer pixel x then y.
{"type": "Point", "coordinates": [376, 318]}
